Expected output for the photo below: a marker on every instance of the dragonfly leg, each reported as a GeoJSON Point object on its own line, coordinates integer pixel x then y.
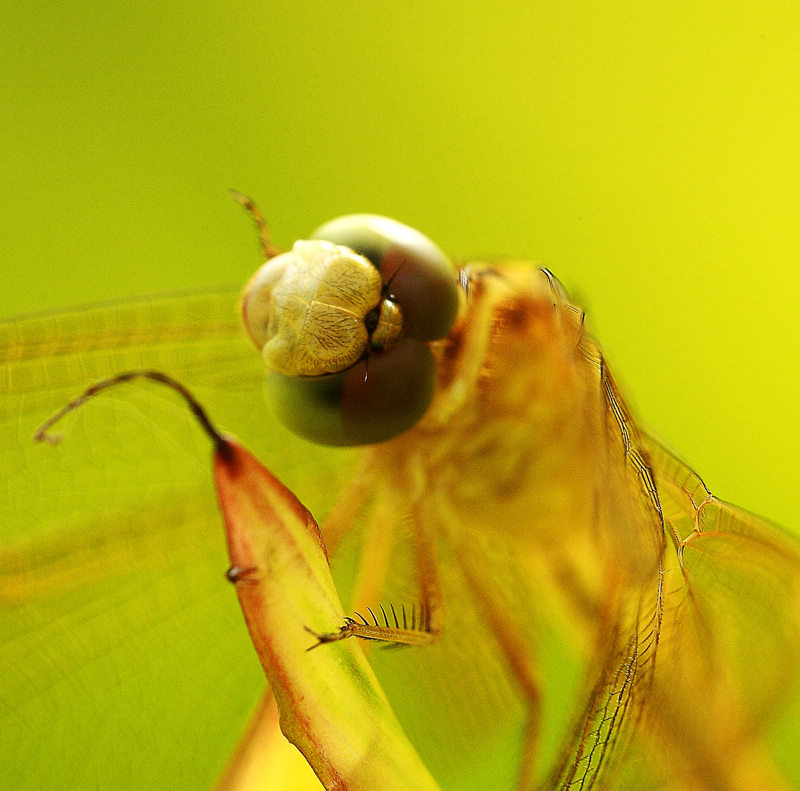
{"type": "Point", "coordinates": [377, 547]}
{"type": "Point", "coordinates": [267, 247]}
{"type": "Point", "coordinates": [349, 504]}
{"type": "Point", "coordinates": [430, 583]}
{"type": "Point", "coordinates": [517, 651]}
{"type": "Point", "coordinates": [418, 625]}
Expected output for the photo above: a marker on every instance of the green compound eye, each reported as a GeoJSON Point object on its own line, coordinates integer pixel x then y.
{"type": "Point", "coordinates": [342, 322]}
{"type": "Point", "coordinates": [372, 401]}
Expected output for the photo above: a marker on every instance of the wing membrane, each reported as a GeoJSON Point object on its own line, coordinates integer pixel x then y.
{"type": "Point", "coordinates": [697, 658]}
{"type": "Point", "coordinates": [111, 554]}
{"type": "Point", "coordinates": [740, 586]}
{"type": "Point", "coordinates": [728, 645]}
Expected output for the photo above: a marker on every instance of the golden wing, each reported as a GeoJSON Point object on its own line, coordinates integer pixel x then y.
{"type": "Point", "coordinates": [706, 657]}
{"type": "Point", "coordinates": [729, 650]}
{"type": "Point", "coordinates": [675, 684]}
{"type": "Point", "coordinates": [667, 597]}
{"type": "Point", "coordinates": [111, 564]}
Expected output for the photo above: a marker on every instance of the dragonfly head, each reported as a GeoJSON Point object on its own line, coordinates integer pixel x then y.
{"type": "Point", "coordinates": [343, 321]}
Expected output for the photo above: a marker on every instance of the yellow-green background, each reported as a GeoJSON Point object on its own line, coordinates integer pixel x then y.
{"type": "Point", "coordinates": [646, 152]}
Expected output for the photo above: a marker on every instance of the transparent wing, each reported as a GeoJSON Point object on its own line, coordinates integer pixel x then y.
{"type": "Point", "coordinates": [730, 646]}
{"type": "Point", "coordinates": [699, 651]}
{"type": "Point", "coordinates": [127, 663]}
{"type": "Point", "coordinates": [622, 663]}
{"type": "Point", "coordinates": [688, 688]}
{"type": "Point", "coordinates": [120, 641]}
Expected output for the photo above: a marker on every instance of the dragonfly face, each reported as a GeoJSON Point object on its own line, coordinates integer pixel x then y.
{"type": "Point", "coordinates": [318, 310]}
{"type": "Point", "coordinates": [517, 500]}
{"type": "Point", "coordinates": [309, 311]}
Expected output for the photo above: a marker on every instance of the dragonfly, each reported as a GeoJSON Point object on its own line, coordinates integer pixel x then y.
{"type": "Point", "coordinates": [583, 612]}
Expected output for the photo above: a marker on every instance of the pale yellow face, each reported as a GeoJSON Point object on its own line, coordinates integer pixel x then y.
{"type": "Point", "coordinates": [307, 310]}
{"type": "Point", "coordinates": [344, 323]}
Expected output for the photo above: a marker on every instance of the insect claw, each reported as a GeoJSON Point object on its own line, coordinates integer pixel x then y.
{"type": "Point", "coordinates": [345, 631]}
{"type": "Point", "coordinates": [329, 637]}
{"type": "Point", "coordinates": [237, 574]}
{"type": "Point", "coordinates": [463, 281]}
{"type": "Point", "coordinates": [46, 436]}
{"type": "Point", "coordinates": [319, 638]}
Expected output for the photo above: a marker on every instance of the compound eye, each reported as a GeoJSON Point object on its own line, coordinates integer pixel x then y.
{"type": "Point", "coordinates": [374, 400]}
{"type": "Point", "coordinates": [420, 278]}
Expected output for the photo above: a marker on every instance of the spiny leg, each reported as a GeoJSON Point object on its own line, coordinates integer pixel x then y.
{"type": "Point", "coordinates": [377, 545]}
{"type": "Point", "coordinates": [430, 583]}
{"type": "Point", "coordinates": [419, 626]}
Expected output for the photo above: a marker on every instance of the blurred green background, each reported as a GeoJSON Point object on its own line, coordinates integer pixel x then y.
{"type": "Point", "coordinates": [647, 153]}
